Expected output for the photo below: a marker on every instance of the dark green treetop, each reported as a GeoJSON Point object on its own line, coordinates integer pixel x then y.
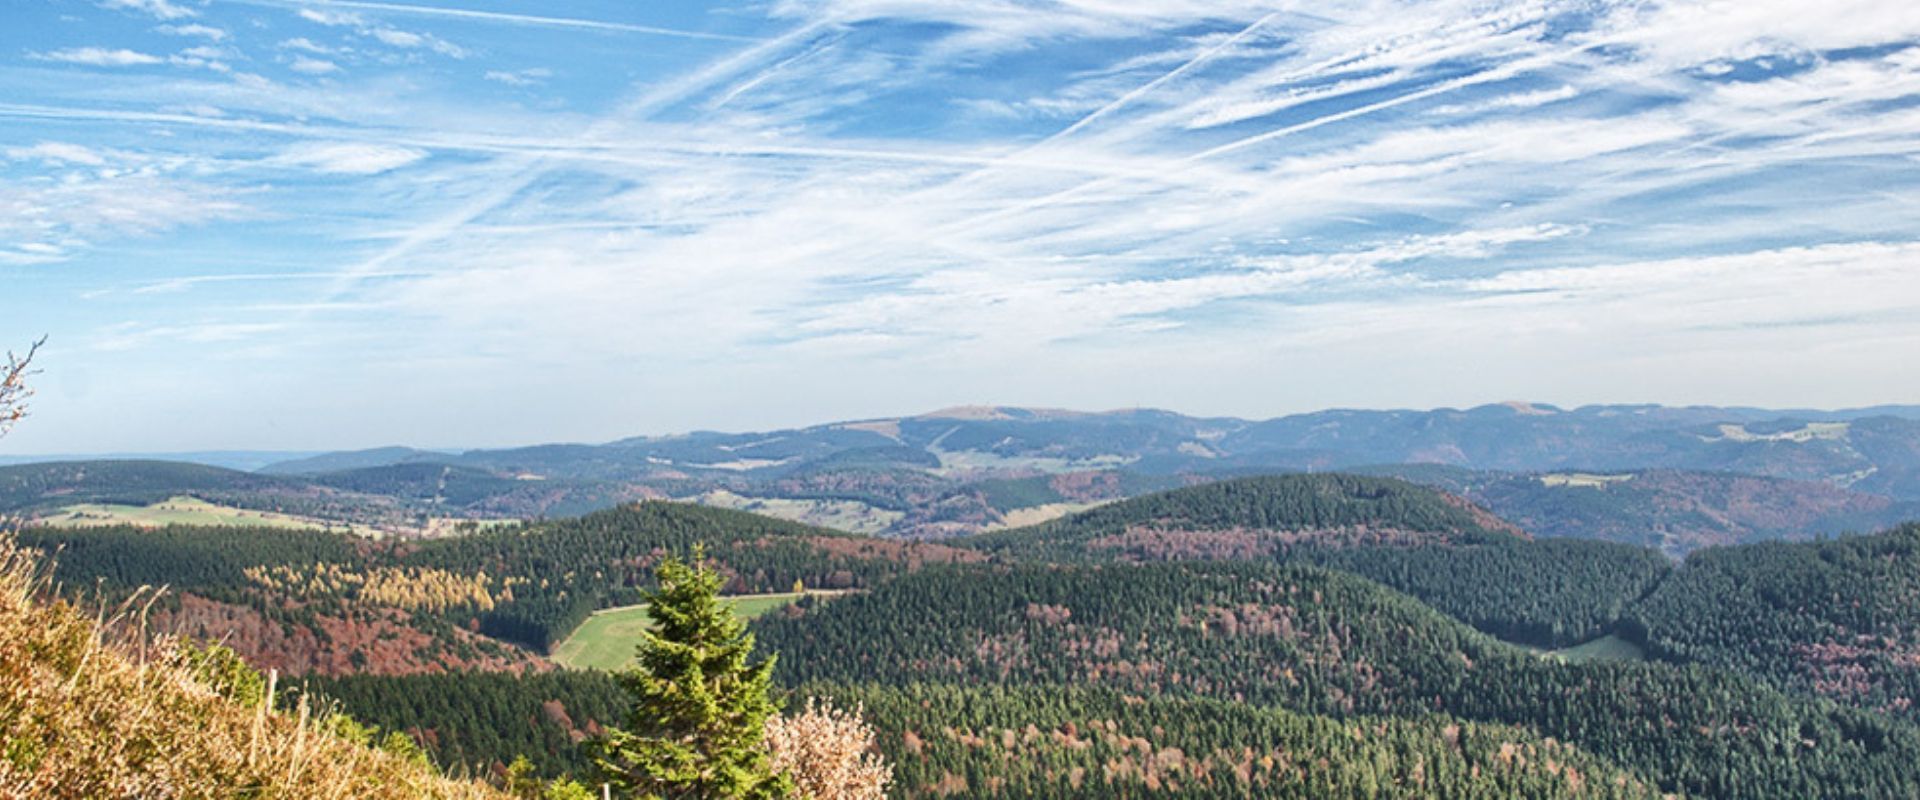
{"type": "Point", "coordinates": [700, 704]}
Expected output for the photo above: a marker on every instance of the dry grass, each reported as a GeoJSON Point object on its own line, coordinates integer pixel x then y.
{"type": "Point", "coordinates": [85, 716]}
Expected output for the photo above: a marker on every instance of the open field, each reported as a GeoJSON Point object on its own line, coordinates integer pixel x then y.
{"type": "Point", "coordinates": [606, 640]}
{"type": "Point", "coordinates": [965, 461]}
{"type": "Point", "coordinates": [1034, 515]}
{"type": "Point", "coordinates": [844, 515]}
{"type": "Point", "coordinates": [174, 511]}
{"type": "Point", "coordinates": [1582, 480]}
{"type": "Point", "coordinates": [1605, 648]}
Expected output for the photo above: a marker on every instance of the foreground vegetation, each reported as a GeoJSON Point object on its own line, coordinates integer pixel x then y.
{"type": "Point", "coordinates": [84, 717]}
{"type": "Point", "coordinates": [1309, 635]}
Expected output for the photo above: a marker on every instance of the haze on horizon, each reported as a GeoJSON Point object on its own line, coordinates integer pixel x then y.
{"type": "Point", "coordinates": [282, 224]}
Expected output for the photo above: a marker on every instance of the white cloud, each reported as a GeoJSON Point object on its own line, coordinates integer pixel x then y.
{"type": "Point", "coordinates": [385, 34]}
{"type": "Point", "coordinates": [59, 153]}
{"type": "Point", "coordinates": [196, 29]}
{"type": "Point", "coordinates": [78, 208]}
{"type": "Point", "coordinates": [398, 38]}
{"type": "Point", "coordinates": [331, 18]}
{"type": "Point", "coordinates": [313, 66]}
{"type": "Point", "coordinates": [1678, 35]}
{"type": "Point", "coordinates": [160, 9]}
{"type": "Point", "coordinates": [99, 57]}
{"type": "Point", "coordinates": [349, 158]}
{"type": "Point", "coordinates": [395, 37]}
{"type": "Point", "coordinates": [1353, 197]}
{"type": "Point", "coordinates": [525, 77]}
{"type": "Point", "coordinates": [1512, 102]}
{"type": "Point", "coordinates": [307, 45]}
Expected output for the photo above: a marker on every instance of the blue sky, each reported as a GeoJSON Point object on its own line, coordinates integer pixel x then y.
{"type": "Point", "coordinates": [271, 224]}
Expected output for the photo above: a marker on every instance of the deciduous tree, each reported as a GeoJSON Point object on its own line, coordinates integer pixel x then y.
{"type": "Point", "coordinates": [13, 387]}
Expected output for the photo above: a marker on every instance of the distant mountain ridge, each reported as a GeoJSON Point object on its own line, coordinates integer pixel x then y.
{"type": "Point", "coordinates": [1873, 449]}
{"type": "Point", "coordinates": [966, 469]}
{"type": "Point", "coordinates": [352, 459]}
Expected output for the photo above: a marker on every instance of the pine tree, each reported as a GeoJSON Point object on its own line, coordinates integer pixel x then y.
{"type": "Point", "coordinates": [701, 706]}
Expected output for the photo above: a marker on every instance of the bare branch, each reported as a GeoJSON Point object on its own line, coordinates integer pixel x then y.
{"type": "Point", "coordinates": [13, 386]}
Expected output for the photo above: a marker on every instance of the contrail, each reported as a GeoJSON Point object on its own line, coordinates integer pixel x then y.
{"type": "Point", "coordinates": [511, 19]}
{"type": "Point", "coordinates": [1151, 85]}
{"type": "Point", "coordinates": [523, 171]}
{"type": "Point", "coordinates": [1500, 72]}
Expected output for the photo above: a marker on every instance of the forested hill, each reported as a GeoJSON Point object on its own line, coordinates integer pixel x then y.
{"type": "Point", "coordinates": [316, 601]}
{"type": "Point", "coordinates": [1419, 540]}
{"type": "Point", "coordinates": [28, 486]}
{"type": "Point", "coordinates": [1258, 515]}
{"type": "Point", "coordinates": [1839, 618]}
{"type": "Point", "coordinates": [568, 568]}
{"type": "Point", "coordinates": [1322, 642]}
{"type": "Point", "coordinates": [1065, 742]}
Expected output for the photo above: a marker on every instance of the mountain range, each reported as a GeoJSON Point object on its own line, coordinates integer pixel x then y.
{"type": "Point", "coordinates": [1674, 478]}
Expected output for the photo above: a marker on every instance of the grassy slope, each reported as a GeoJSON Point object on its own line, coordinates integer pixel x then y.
{"type": "Point", "coordinates": [606, 640]}
{"type": "Point", "coordinates": [82, 718]}
{"type": "Point", "coordinates": [181, 510]}
{"type": "Point", "coordinates": [1605, 648]}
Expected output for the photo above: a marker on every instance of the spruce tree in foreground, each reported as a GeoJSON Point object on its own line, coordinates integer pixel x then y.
{"type": "Point", "coordinates": [701, 706]}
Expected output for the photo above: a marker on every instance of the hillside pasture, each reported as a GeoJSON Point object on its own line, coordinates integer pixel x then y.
{"type": "Point", "coordinates": [607, 639]}
{"type": "Point", "coordinates": [1605, 648]}
{"type": "Point", "coordinates": [181, 510]}
{"type": "Point", "coordinates": [1581, 480]}
{"type": "Point", "coordinates": [852, 516]}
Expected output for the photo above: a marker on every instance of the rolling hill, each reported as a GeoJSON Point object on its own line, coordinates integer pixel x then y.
{"type": "Point", "coordinates": [1678, 512]}
{"type": "Point", "coordinates": [1432, 545]}
{"type": "Point", "coordinates": [1840, 618]}
{"type": "Point", "coordinates": [1322, 642]}
{"type": "Point", "coordinates": [311, 601]}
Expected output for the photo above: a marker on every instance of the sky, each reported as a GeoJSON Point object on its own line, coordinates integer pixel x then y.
{"type": "Point", "coordinates": [293, 224]}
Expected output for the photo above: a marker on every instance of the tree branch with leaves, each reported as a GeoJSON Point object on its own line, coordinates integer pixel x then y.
{"type": "Point", "coordinates": [13, 386]}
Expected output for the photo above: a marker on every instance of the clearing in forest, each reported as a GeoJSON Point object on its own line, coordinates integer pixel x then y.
{"type": "Point", "coordinates": [607, 639]}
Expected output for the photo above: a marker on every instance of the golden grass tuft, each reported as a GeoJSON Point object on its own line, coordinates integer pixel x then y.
{"type": "Point", "coordinates": [84, 715]}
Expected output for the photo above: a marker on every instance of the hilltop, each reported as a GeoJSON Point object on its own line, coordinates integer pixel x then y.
{"type": "Point", "coordinates": [1835, 618]}
{"type": "Point", "coordinates": [1433, 545]}
{"type": "Point", "coordinates": [1255, 516]}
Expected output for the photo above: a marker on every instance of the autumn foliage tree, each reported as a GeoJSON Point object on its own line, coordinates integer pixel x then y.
{"type": "Point", "coordinates": [829, 753]}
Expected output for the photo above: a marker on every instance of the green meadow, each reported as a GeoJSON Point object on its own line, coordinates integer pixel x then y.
{"type": "Point", "coordinates": [606, 640]}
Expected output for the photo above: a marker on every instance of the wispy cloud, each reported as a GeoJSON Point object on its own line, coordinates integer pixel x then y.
{"type": "Point", "coordinates": [1324, 205]}
{"type": "Point", "coordinates": [385, 34]}
{"type": "Point", "coordinates": [196, 29]}
{"type": "Point", "coordinates": [349, 158]}
{"type": "Point", "coordinates": [159, 9]}
{"type": "Point", "coordinates": [517, 19]}
{"type": "Point", "coordinates": [312, 66]}
{"type": "Point", "coordinates": [99, 57]}
{"type": "Point", "coordinates": [523, 77]}
{"type": "Point", "coordinates": [59, 153]}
